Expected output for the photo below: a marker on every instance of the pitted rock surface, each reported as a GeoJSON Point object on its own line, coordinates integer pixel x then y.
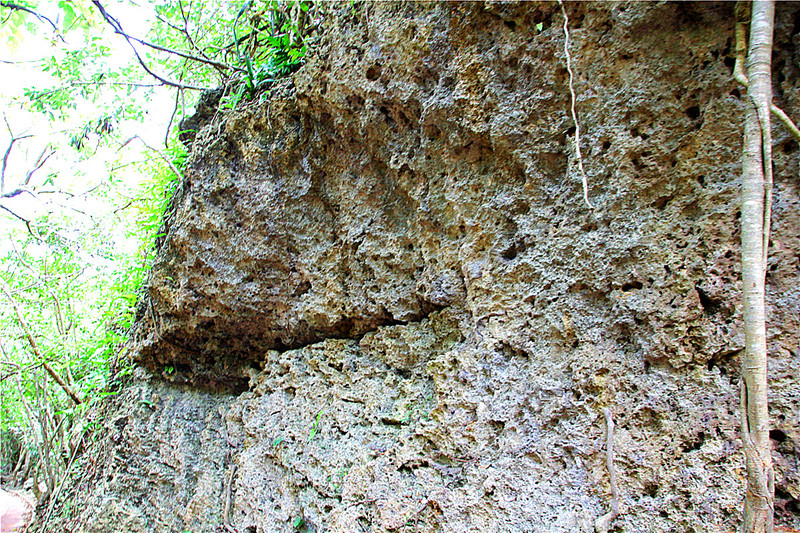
{"type": "Point", "coordinates": [382, 293]}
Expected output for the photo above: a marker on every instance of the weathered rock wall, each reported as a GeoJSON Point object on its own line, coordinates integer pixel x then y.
{"type": "Point", "coordinates": [381, 302]}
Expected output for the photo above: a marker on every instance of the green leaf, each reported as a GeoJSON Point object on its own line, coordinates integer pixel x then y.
{"type": "Point", "coordinates": [69, 14]}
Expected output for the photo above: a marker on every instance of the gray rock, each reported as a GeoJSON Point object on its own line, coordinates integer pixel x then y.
{"type": "Point", "coordinates": [386, 305]}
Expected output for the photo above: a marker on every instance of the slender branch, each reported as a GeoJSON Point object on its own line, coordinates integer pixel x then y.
{"type": "Point", "coordinates": [185, 30]}
{"type": "Point", "coordinates": [584, 180]}
{"type": "Point", "coordinates": [14, 139]}
{"type": "Point", "coordinates": [11, 5]}
{"type": "Point", "coordinates": [40, 161]}
{"type": "Point", "coordinates": [5, 162]}
{"type": "Point", "coordinates": [207, 61]}
{"type": "Point", "coordinates": [64, 476]}
{"type": "Point", "coordinates": [35, 347]}
{"type": "Point", "coordinates": [36, 195]}
{"type": "Point", "coordinates": [7, 62]}
{"type": "Point", "coordinates": [120, 83]}
{"type": "Point", "coordinates": [178, 95]}
{"type": "Point", "coordinates": [160, 153]}
{"type": "Point", "coordinates": [15, 215]}
{"type": "Point", "coordinates": [190, 40]}
{"type": "Point", "coordinates": [114, 23]}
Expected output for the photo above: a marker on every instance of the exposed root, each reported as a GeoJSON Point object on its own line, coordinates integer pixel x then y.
{"type": "Point", "coordinates": [578, 154]}
{"type": "Point", "coordinates": [603, 524]}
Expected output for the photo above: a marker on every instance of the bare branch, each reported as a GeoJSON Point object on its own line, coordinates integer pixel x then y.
{"type": "Point", "coordinates": [178, 94]}
{"type": "Point", "coordinates": [219, 66]}
{"type": "Point", "coordinates": [40, 161]}
{"type": "Point", "coordinates": [14, 139]}
{"type": "Point", "coordinates": [35, 347]}
{"type": "Point", "coordinates": [17, 7]}
{"type": "Point", "coordinates": [23, 219]}
{"type": "Point", "coordinates": [160, 153]}
{"type": "Point", "coordinates": [114, 23]}
{"type": "Point", "coordinates": [211, 62]}
{"type": "Point", "coordinates": [7, 62]}
{"type": "Point", "coordinates": [120, 83]}
{"type": "Point", "coordinates": [186, 32]}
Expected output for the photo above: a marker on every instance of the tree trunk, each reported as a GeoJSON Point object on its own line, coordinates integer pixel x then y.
{"type": "Point", "coordinates": [756, 192]}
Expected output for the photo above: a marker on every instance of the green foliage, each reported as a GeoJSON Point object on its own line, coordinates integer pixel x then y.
{"type": "Point", "coordinates": [76, 287]}
{"type": "Point", "coordinates": [76, 271]}
{"type": "Point", "coordinates": [274, 43]}
{"type": "Point", "coordinates": [315, 427]}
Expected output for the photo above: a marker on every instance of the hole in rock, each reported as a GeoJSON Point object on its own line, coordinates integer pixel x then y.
{"type": "Point", "coordinates": [302, 288]}
{"type": "Point", "coordinates": [385, 112]}
{"type": "Point", "coordinates": [786, 506]}
{"type": "Point", "coordinates": [694, 444]}
{"type": "Point", "coordinates": [373, 72]}
{"type": "Point", "coordinates": [510, 24]}
{"type": "Point", "coordinates": [631, 286]}
{"type": "Point", "coordinates": [730, 62]}
{"type": "Point", "coordinates": [510, 252]}
{"type": "Point", "coordinates": [355, 101]}
{"type": "Point", "coordinates": [777, 435]}
{"type": "Point", "coordinates": [693, 112]}
{"type": "Point", "coordinates": [789, 146]}
{"type": "Point", "coordinates": [497, 425]}
{"type": "Point", "coordinates": [662, 202]}
{"type": "Point", "coordinates": [710, 305]}
{"type": "Point", "coordinates": [432, 131]}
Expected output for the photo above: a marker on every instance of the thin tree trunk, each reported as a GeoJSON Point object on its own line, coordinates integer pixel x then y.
{"type": "Point", "coordinates": [756, 201]}
{"type": "Point", "coordinates": [35, 347]}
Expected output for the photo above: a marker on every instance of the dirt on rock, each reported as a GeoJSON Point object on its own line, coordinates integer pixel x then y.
{"type": "Point", "coordinates": [381, 303]}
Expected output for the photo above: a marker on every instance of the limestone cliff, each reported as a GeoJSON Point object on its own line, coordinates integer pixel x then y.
{"type": "Point", "coordinates": [381, 303]}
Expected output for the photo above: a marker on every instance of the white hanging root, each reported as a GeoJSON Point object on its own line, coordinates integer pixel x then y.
{"type": "Point", "coordinates": [572, 108]}
{"type": "Point", "coordinates": [603, 524]}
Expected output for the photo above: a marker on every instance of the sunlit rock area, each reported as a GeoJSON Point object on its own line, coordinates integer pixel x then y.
{"type": "Point", "coordinates": [382, 304]}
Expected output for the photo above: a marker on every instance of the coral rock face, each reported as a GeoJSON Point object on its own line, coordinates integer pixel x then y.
{"type": "Point", "coordinates": [381, 303]}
